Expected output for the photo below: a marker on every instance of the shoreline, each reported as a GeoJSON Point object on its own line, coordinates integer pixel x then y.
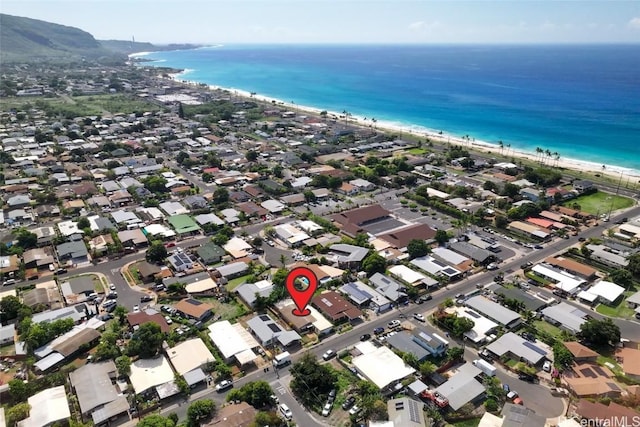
{"type": "Point", "coordinates": [582, 166]}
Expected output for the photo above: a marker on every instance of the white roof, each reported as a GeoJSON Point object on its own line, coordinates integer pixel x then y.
{"type": "Point", "coordinates": [481, 325]}
{"type": "Point", "coordinates": [518, 346]}
{"type": "Point", "coordinates": [450, 256]}
{"type": "Point", "coordinates": [432, 192]}
{"type": "Point", "coordinates": [406, 274]}
{"type": "Point", "coordinates": [309, 226]}
{"type": "Point", "coordinates": [154, 213]}
{"type": "Point", "coordinates": [173, 208]}
{"type": "Point", "coordinates": [394, 367]}
{"type": "Point", "coordinates": [237, 247]}
{"type": "Point", "coordinates": [189, 355]}
{"type": "Point", "coordinates": [159, 230]}
{"type": "Point", "coordinates": [273, 206]}
{"type": "Point", "coordinates": [230, 215]}
{"type": "Point", "coordinates": [201, 286]}
{"type": "Point", "coordinates": [208, 219]}
{"type": "Point", "coordinates": [462, 387]}
{"type": "Point", "coordinates": [565, 281]}
{"type": "Point", "coordinates": [290, 234]}
{"type": "Point", "coordinates": [490, 420]}
{"type": "Point", "coordinates": [607, 290]}
{"type": "Point", "coordinates": [67, 228]}
{"type": "Point", "coordinates": [587, 296]}
{"type": "Point", "coordinates": [230, 339]}
{"type": "Point", "coordinates": [568, 316]}
{"type": "Point", "coordinates": [47, 407]}
{"type": "Point", "coordinates": [148, 373]}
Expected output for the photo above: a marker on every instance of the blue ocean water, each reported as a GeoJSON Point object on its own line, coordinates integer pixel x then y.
{"type": "Point", "coordinates": [580, 101]}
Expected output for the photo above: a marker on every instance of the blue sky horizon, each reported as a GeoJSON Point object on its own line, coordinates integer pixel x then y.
{"type": "Point", "coordinates": [331, 22]}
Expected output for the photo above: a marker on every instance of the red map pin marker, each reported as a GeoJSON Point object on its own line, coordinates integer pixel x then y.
{"type": "Point", "coordinates": [301, 284]}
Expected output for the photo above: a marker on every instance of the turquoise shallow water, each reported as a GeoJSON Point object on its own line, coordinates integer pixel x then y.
{"type": "Point", "coordinates": [580, 101]}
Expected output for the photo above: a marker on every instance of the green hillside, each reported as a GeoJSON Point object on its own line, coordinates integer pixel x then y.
{"type": "Point", "coordinates": [31, 40]}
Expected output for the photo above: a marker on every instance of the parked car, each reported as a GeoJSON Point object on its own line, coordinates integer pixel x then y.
{"type": "Point", "coordinates": [378, 331]}
{"type": "Point", "coordinates": [136, 308]}
{"type": "Point", "coordinates": [112, 295]}
{"type": "Point", "coordinates": [354, 410]}
{"type": "Point", "coordinates": [546, 366]}
{"type": "Point", "coordinates": [348, 403]}
{"type": "Point", "coordinates": [329, 354]}
{"type": "Point", "coordinates": [105, 317]}
{"type": "Point", "coordinates": [286, 412]}
{"type": "Point", "coordinates": [365, 337]}
{"type": "Point", "coordinates": [168, 319]}
{"type": "Point", "coordinates": [393, 324]}
{"type": "Point", "coordinates": [146, 298]}
{"type": "Point", "coordinates": [223, 385]}
{"type": "Point", "coordinates": [527, 377]}
{"type": "Point", "coordinates": [512, 394]}
{"type": "Point", "coordinates": [326, 410]}
{"type": "Point", "coordinates": [112, 287]}
{"type": "Point", "coordinates": [419, 317]}
{"type": "Point", "coordinates": [529, 336]}
{"type": "Point", "coordinates": [332, 395]}
{"type": "Point", "coordinates": [109, 303]}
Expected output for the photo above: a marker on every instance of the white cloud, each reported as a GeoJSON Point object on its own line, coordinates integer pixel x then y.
{"type": "Point", "coordinates": [421, 26]}
{"type": "Point", "coordinates": [635, 23]}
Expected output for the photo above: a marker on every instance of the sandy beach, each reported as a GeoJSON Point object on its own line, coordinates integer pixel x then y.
{"type": "Point", "coordinates": [613, 171]}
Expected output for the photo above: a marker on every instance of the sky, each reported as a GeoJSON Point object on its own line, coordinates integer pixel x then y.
{"type": "Point", "coordinates": [343, 21]}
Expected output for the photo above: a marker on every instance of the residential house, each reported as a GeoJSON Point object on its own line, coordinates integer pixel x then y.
{"type": "Point", "coordinates": [147, 271]}
{"type": "Point", "coordinates": [400, 238]}
{"type": "Point", "coordinates": [147, 316]}
{"type": "Point", "coordinates": [337, 309]}
{"type": "Point", "coordinates": [353, 221]}
{"type": "Point", "coordinates": [194, 309]}
{"type": "Point", "coordinates": [580, 352]}
{"type": "Point", "coordinates": [39, 258]}
{"type": "Point", "coordinates": [348, 256]}
{"type": "Point", "coordinates": [248, 292]}
{"type": "Point", "coordinates": [364, 296]}
{"type": "Point", "coordinates": [73, 252]}
{"type": "Point", "coordinates": [210, 253]}
{"type": "Point", "coordinates": [236, 415]}
{"type": "Point", "coordinates": [181, 261]}
{"type": "Point", "coordinates": [45, 235]}
{"type": "Point", "coordinates": [268, 332]}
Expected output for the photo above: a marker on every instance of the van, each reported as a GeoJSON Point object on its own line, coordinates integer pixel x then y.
{"type": "Point", "coordinates": [286, 412]}
{"type": "Point", "coordinates": [9, 282]}
{"type": "Point", "coordinates": [485, 367]}
{"type": "Point", "coordinates": [282, 359]}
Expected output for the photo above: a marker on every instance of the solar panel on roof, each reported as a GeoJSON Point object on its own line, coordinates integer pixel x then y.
{"type": "Point", "coordinates": [326, 302]}
{"type": "Point", "coordinates": [264, 317]}
{"type": "Point", "coordinates": [194, 302]}
{"type": "Point", "coordinates": [535, 348]}
{"type": "Point", "coordinates": [274, 327]}
{"type": "Point", "coordinates": [599, 370]}
{"type": "Point", "coordinates": [413, 412]}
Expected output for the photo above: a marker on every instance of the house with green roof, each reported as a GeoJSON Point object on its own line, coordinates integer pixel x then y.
{"type": "Point", "coordinates": [183, 224]}
{"type": "Point", "coordinates": [210, 253]}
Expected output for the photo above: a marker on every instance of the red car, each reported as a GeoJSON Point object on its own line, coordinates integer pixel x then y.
{"type": "Point", "coordinates": [169, 245]}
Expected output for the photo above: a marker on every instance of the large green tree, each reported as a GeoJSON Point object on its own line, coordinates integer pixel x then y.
{"type": "Point", "coordinates": [255, 393]}
{"type": "Point", "coordinates": [600, 332]}
{"type": "Point", "coordinates": [155, 420]}
{"type": "Point", "coordinates": [418, 248]}
{"type": "Point", "coordinates": [200, 410]}
{"type": "Point", "coordinates": [312, 381]}
{"type": "Point", "coordinates": [634, 264]}
{"type": "Point", "coordinates": [156, 252]}
{"type": "Point", "coordinates": [373, 264]}
{"type": "Point", "coordinates": [146, 341]}
{"type": "Point", "coordinates": [9, 307]}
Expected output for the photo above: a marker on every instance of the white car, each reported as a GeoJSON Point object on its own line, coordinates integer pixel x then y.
{"type": "Point", "coordinates": [223, 385]}
{"type": "Point", "coordinates": [354, 410]}
{"type": "Point", "coordinates": [393, 324]}
{"type": "Point", "coordinates": [136, 308]}
{"type": "Point", "coordinates": [326, 410]}
{"type": "Point", "coordinates": [419, 317]}
{"type": "Point", "coordinates": [547, 366]}
{"type": "Point", "coordinates": [168, 319]}
{"type": "Point", "coordinates": [286, 412]}
{"type": "Point", "coordinates": [112, 287]}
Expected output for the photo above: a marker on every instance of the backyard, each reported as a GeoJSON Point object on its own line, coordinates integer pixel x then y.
{"type": "Point", "coordinates": [600, 203]}
{"type": "Point", "coordinates": [622, 309]}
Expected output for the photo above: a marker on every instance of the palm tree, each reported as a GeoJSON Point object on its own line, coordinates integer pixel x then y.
{"type": "Point", "coordinates": [283, 260]}
{"type": "Point", "coordinates": [501, 144]}
{"type": "Point", "coordinates": [548, 153]}
{"type": "Point", "coordinates": [557, 158]}
{"type": "Point", "coordinates": [508, 147]}
{"type": "Point", "coordinates": [374, 121]}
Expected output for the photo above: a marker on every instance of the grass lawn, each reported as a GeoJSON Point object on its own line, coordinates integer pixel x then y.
{"type": "Point", "coordinates": [471, 422]}
{"type": "Point", "coordinates": [547, 327]}
{"type": "Point", "coordinates": [134, 276]}
{"type": "Point", "coordinates": [416, 151]}
{"type": "Point", "coordinates": [602, 360]}
{"type": "Point", "coordinates": [232, 284]}
{"type": "Point", "coordinates": [620, 310]}
{"type": "Point", "coordinates": [600, 202]}
{"type": "Point", "coordinates": [227, 311]}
